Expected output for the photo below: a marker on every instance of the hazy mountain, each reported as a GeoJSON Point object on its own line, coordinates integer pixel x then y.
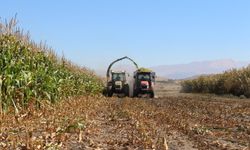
{"type": "Point", "coordinates": [182, 71]}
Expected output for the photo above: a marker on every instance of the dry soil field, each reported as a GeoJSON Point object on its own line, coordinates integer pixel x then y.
{"type": "Point", "coordinates": [171, 121]}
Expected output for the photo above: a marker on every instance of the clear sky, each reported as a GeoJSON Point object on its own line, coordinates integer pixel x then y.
{"type": "Point", "coordinates": [153, 32]}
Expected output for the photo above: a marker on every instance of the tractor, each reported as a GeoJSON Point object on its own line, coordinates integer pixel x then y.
{"type": "Point", "coordinates": [144, 81]}
{"type": "Point", "coordinates": [118, 83]}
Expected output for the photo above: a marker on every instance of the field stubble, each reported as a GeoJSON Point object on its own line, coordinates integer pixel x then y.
{"type": "Point", "coordinates": [173, 120]}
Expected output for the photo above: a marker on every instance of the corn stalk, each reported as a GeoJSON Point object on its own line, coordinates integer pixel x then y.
{"type": "Point", "coordinates": [1, 82]}
{"type": "Point", "coordinates": [30, 71]}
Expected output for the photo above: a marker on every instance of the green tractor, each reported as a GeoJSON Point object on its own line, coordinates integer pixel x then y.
{"type": "Point", "coordinates": [118, 84]}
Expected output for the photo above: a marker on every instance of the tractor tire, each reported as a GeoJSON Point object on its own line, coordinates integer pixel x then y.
{"type": "Point", "coordinates": [110, 93]}
{"type": "Point", "coordinates": [152, 94]}
{"type": "Point", "coordinates": [126, 90]}
{"type": "Point", "coordinates": [105, 92]}
{"type": "Point", "coordinates": [135, 93]}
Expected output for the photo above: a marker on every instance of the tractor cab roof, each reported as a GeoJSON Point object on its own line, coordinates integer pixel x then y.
{"type": "Point", "coordinates": [144, 70]}
{"type": "Point", "coordinates": [120, 72]}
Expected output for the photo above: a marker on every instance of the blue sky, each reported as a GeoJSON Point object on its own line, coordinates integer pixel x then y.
{"type": "Point", "coordinates": [92, 33]}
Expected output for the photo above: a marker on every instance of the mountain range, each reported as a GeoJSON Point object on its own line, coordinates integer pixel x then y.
{"type": "Point", "coordinates": [182, 71]}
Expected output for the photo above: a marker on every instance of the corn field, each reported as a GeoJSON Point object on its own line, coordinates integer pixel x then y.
{"type": "Point", "coordinates": [235, 82]}
{"type": "Point", "coordinates": [31, 72]}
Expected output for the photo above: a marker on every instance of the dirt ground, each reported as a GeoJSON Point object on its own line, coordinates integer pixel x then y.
{"type": "Point", "coordinates": [173, 121]}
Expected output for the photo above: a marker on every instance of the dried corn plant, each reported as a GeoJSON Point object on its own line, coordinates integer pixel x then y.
{"type": "Point", "coordinates": [235, 82]}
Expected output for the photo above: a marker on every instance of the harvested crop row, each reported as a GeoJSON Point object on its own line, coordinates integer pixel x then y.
{"type": "Point", "coordinates": [85, 122]}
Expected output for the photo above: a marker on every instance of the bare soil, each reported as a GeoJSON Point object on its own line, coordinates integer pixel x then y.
{"type": "Point", "coordinates": [173, 120]}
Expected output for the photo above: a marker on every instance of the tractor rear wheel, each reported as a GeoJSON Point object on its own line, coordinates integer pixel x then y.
{"type": "Point", "coordinates": [152, 94]}
{"type": "Point", "coordinates": [105, 92]}
{"type": "Point", "coordinates": [110, 93]}
{"type": "Point", "coordinates": [126, 90]}
{"type": "Point", "coordinates": [135, 93]}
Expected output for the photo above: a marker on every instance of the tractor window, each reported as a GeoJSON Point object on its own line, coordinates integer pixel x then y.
{"type": "Point", "coordinates": [118, 77]}
{"type": "Point", "coordinates": [143, 77]}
